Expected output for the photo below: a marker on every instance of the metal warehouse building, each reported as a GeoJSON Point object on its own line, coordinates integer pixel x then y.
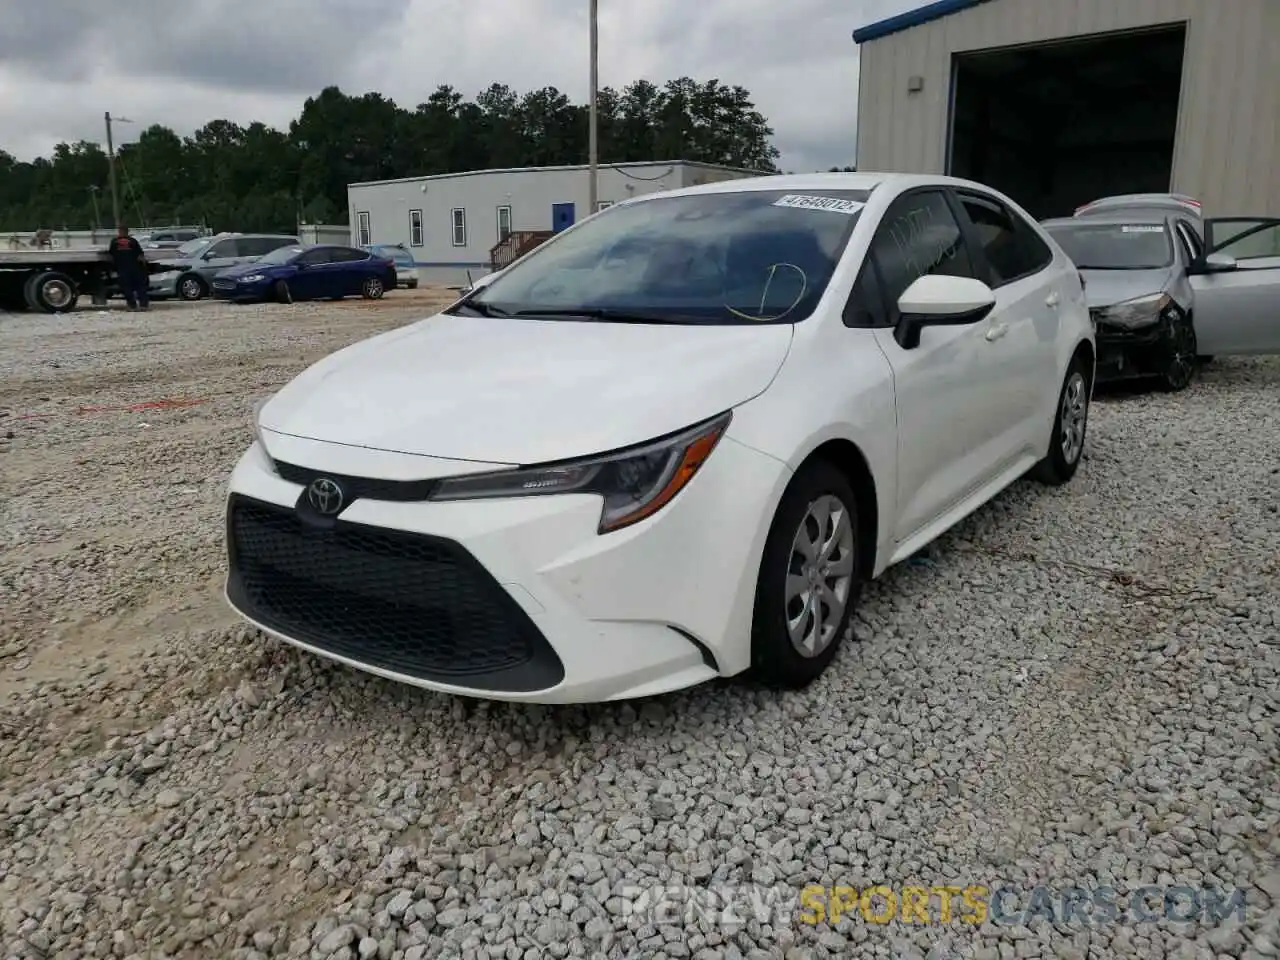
{"type": "Point", "coordinates": [459, 222]}
{"type": "Point", "coordinates": [1057, 102]}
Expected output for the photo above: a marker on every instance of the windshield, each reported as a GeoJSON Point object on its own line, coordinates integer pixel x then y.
{"type": "Point", "coordinates": [280, 255]}
{"type": "Point", "coordinates": [740, 257]}
{"type": "Point", "coordinates": [1115, 246]}
{"type": "Point", "coordinates": [192, 248]}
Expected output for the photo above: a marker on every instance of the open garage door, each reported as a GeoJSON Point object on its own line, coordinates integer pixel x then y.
{"type": "Point", "coordinates": [1056, 125]}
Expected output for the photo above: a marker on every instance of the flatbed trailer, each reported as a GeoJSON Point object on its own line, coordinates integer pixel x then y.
{"type": "Point", "coordinates": [52, 281]}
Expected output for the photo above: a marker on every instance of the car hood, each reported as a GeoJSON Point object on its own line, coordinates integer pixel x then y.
{"type": "Point", "coordinates": [244, 269]}
{"type": "Point", "coordinates": [507, 390]}
{"type": "Point", "coordinates": [1103, 288]}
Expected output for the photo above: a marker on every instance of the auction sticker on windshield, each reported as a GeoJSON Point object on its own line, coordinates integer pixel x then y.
{"type": "Point", "coordinates": [834, 204]}
{"type": "Point", "coordinates": [1142, 228]}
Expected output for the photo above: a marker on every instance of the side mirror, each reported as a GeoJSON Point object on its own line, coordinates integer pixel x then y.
{"type": "Point", "coordinates": [934, 300]}
{"type": "Point", "coordinates": [1220, 263]}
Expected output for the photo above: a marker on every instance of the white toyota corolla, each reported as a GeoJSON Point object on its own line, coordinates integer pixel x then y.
{"type": "Point", "coordinates": [669, 444]}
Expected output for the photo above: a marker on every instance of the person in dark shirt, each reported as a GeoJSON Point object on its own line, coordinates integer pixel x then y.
{"type": "Point", "coordinates": [131, 269]}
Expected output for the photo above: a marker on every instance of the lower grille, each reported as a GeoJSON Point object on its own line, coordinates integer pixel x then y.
{"type": "Point", "coordinates": [224, 284]}
{"type": "Point", "coordinates": [416, 605]}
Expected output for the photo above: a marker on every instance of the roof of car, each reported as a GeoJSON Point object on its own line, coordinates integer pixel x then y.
{"type": "Point", "coordinates": [868, 180]}
{"type": "Point", "coordinates": [1163, 201]}
{"type": "Point", "coordinates": [1115, 218]}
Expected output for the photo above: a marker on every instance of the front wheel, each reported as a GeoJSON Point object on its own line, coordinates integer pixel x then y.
{"type": "Point", "coordinates": [1180, 356]}
{"type": "Point", "coordinates": [372, 289]}
{"type": "Point", "coordinates": [809, 579]}
{"type": "Point", "coordinates": [1066, 445]}
{"type": "Point", "coordinates": [192, 287]}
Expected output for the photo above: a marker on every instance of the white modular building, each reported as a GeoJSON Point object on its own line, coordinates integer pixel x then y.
{"type": "Point", "coordinates": [1059, 102]}
{"type": "Point", "coordinates": [457, 224]}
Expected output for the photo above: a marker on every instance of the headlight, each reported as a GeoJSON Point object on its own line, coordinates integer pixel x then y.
{"type": "Point", "coordinates": [1140, 312]}
{"type": "Point", "coordinates": [253, 278]}
{"type": "Point", "coordinates": [634, 483]}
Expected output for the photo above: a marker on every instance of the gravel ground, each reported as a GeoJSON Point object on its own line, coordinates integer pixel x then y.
{"type": "Point", "coordinates": [1075, 687]}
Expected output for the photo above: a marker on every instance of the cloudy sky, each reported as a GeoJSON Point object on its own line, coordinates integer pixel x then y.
{"type": "Point", "coordinates": [64, 62]}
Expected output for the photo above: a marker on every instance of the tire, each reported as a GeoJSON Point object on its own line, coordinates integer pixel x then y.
{"type": "Point", "coordinates": [412, 284]}
{"type": "Point", "coordinates": [29, 292]}
{"type": "Point", "coordinates": [191, 286]}
{"type": "Point", "coordinates": [1180, 364]}
{"type": "Point", "coordinates": [282, 291]}
{"type": "Point", "coordinates": [1070, 426]}
{"type": "Point", "coordinates": [373, 288]}
{"type": "Point", "coordinates": [51, 292]}
{"type": "Point", "coordinates": [781, 600]}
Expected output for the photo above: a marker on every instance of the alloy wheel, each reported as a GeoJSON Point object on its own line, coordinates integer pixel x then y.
{"type": "Point", "coordinates": [819, 575]}
{"type": "Point", "coordinates": [1073, 417]}
{"type": "Point", "coordinates": [190, 289]}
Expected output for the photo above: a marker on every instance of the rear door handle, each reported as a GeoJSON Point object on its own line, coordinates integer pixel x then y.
{"type": "Point", "coordinates": [997, 330]}
{"type": "Point", "coordinates": [1052, 300]}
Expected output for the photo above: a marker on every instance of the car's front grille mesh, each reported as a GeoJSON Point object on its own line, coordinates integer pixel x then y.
{"type": "Point", "coordinates": [418, 606]}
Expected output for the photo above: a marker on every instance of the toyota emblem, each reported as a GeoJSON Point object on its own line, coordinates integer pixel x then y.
{"type": "Point", "coordinates": [325, 496]}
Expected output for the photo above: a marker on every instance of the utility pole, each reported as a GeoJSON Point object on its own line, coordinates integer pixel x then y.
{"type": "Point", "coordinates": [111, 168]}
{"type": "Point", "coordinates": [97, 215]}
{"type": "Point", "coordinates": [593, 120]}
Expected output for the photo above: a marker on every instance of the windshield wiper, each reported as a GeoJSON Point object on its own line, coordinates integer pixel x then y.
{"type": "Point", "coordinates": [479, 308]}
{"type": "Point", "coordinates": [604, 313]}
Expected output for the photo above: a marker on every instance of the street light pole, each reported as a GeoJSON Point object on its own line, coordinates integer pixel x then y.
{"type": "Point", "coordinates": [593, 120]}
{"type": "Point", "coordinates": [111, 167]}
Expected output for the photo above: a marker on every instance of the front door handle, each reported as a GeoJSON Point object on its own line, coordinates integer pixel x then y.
{"type": "Point", "coordinates": [997, 330]}
{"type": "Point", "coordinates": [1052, 300]}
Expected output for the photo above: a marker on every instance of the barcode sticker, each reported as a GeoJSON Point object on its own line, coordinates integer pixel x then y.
{"type": "Point", "coordinates": [834, 204]}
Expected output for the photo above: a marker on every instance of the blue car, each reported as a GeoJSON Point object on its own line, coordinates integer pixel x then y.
{"type": "Point", "coordinates": [320, 272]}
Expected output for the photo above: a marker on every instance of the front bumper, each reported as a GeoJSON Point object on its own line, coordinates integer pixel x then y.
{"type": "Point", "coordinates": [517, 599]}
{"type": "Point", "coordinates": [406, 277]}
{"type": "Point", "coordinates": [232, 290]}
{"type": "Point", "coordinates": [1124, 353]}
{"type": "Point", "coordinates": [161, 285]}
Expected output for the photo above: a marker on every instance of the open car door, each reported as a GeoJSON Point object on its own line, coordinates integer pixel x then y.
{"type": "Point", "coordinates": [1237, 287]}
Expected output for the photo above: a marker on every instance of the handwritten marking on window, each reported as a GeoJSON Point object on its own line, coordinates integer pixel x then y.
{"type": "Point", "coordinates": [759, 317]}
{"type": "Point", "coordinates": [922, 242]}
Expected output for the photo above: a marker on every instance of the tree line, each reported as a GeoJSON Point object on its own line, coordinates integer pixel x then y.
{"type": "Point", "coordinates": [258, 178]}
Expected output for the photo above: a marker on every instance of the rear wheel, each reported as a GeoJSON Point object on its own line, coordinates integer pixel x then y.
{"type": "Point", "coordinates": [1180, 357]}
{"type": "Point", "coordinates": [191, 286]}
{"type": "Point", "coordinates": [809, 579]}
{"type": "Point", "coordinates": [1070, 424]}
{"type": "Point", "coordinates": [372, 288]}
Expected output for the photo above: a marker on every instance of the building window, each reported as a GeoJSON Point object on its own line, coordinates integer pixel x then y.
{"type": "Point", "coordinates": [415, 228]}
{"type": "Point", "coordinates": [366, 235]}
{"type": "Point", "coordinates": [603, 205]}
{"type": "Point", "coordinates": [459, 218]}
{"type": "Point", "coordinates": [504, 223]}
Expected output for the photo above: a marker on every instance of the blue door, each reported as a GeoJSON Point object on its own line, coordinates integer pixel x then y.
{"type": "Point", "coordinates": [561, 216]}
